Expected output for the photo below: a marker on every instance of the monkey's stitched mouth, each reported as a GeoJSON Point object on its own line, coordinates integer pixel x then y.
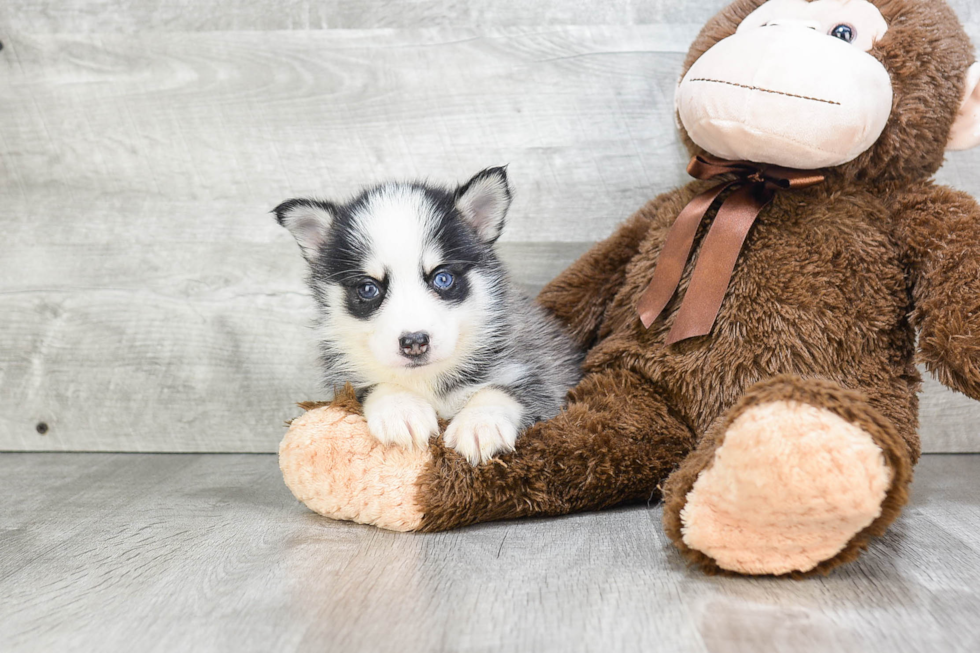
{"type": "Point", "coordinates": [764, 90]}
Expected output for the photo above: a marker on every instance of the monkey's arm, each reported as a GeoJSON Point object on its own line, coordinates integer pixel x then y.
{"type": "Point", "coordinates": [940, 229]}
{"type": "Point", "coordinates": [579, 296]}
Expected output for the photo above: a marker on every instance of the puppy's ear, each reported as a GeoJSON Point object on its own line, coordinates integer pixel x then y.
{"type": "Point", "coordinates": [483, 202]}
{"type": "Point", "coordinates": [309, 221]}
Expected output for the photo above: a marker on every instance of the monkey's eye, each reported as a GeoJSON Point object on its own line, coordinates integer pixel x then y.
{"type": "Point", "coordinates": [443, 280]}
{"type": "Point", "coordinates": [368, 290]}
{"type": "Point", "coordinates": [845, 33]}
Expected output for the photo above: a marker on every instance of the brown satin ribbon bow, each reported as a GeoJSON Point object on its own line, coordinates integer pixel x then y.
{"type": "Point", "coordinates": [757, 185]}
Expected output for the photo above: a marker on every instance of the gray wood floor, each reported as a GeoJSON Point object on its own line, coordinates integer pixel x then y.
{"type": "Point", "coordinates": [144, 552]}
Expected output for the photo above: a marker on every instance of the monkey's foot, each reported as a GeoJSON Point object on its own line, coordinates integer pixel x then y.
{"type": "Point", "coordinates": [332, 463]}
{"type": "Point", "coordinates": [789, 487]}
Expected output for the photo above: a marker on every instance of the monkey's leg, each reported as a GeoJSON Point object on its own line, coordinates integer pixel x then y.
{"type": "Point", "coordinates": [795, 479]}
{"type": "Point", "coordinates": [616, 441]}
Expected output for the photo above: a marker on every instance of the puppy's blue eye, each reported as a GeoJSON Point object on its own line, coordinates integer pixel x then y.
{"type": "Point", "coordinates": [443, 280]}
{"type": "Point", "coordinates": [368, 290]}
{"type": "Point", "coordinates": [844, 33]}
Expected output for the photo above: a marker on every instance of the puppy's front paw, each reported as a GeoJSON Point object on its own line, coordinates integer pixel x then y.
{"type": "Point", "coordinates": [399, 417]}
{"type": "Point", "coordinates": [478, 433]}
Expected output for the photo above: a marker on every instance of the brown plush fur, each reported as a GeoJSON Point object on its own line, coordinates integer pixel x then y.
{"type": "Point", "coordinates": [822, 308]}
{"type": "Point", "coordinates": [941, 229]}
{"type": "Point", "coordinates": [927, 54]}
{"type": "Point", "coordinates": [616, 442]}
{"type": "Point", "coordinates": [849, 405]}
{"type": "Point", "coordinates": [823, 302]}
{"type": "Point", "coordinates": [346, 399]}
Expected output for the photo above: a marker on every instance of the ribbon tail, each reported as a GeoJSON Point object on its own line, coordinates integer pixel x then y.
{"type": "Point", "coordinates": [673, 256]}
{"type": "Point", "coordinates": [716, 262]}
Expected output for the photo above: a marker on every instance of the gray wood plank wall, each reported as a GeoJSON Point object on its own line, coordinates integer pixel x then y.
{"type": "Point", "coordinates": [148, 302]}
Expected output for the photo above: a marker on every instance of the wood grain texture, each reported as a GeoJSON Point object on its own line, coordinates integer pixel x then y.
{"type": "Point", "coordinates": [100, 16]}
{"type": "Point", "coordinates": [50, 16]}
{"type": "Point", "coordinates": [207, 353]}
{"type": "Point", "coordinates": [211, 553]}
{"type": "Point", "coordinates": [153, 303]}
{"type": "Point", "coordinates": [149, 303]}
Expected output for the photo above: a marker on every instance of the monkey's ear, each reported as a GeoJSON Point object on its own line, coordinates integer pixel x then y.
{"type": "Point", "coordinates": [966, 129]}
{"type": "Point", "coordinates": [309, 221]}
{"type": "Point", "coordinates": [483, 202]}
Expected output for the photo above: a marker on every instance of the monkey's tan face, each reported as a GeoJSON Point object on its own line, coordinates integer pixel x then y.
{"type": "Point", "coordinates": [794, 86]}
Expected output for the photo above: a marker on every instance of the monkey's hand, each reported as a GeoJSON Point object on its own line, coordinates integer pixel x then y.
{"type": "Point", "coordinates": [579, 296]}
{"type": "Point", "coordinates": [940, 228]}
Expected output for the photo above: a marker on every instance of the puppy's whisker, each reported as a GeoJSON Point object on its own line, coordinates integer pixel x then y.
{"type": "Point", "coordinates": [407, 349]}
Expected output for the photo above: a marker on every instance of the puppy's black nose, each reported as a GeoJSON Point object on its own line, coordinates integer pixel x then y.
{"type": "Point", "coordinates": [415, 344]}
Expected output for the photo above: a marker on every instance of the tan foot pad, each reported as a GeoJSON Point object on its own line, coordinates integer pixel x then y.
{"type": "Point", "coordinates": [789, 487]}
{"type": "Point", "coordinates": [335, 466]}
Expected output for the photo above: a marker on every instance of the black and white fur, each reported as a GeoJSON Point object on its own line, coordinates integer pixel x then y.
{"type": "Point", "coordinates": [417, 312]}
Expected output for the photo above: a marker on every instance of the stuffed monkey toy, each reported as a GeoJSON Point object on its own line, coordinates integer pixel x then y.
{"type": "Point", "coordinates": [751, 337]}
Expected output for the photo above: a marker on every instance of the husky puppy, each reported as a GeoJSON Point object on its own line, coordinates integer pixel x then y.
{"type": "Point", "coordinates": [417, 312]}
